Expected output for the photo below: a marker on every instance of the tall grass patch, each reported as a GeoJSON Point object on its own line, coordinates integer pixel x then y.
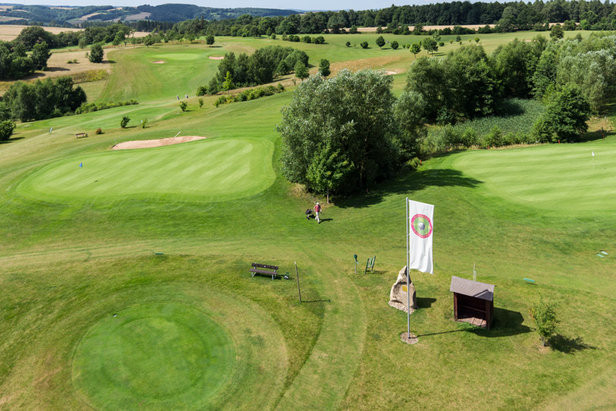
{"type": "Point", "coordinates": [512, 125]}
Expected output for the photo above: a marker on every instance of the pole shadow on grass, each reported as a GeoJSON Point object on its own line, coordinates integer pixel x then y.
{"type": "Point", "coordinates": [409, 182]}
{"type": "Point", "coordinates": [568, 345]}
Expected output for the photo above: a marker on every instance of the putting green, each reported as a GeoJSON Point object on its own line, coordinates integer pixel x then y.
{"type": "Point", "coordinates": [212, 170]}
{"type": "Point", "coordinates": [153, 355]}
{"type": "Point", "coordinates": [564, 178]}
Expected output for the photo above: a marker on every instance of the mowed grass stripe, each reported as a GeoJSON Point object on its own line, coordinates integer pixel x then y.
{"type": "Point", "coordinates": [206, 170]}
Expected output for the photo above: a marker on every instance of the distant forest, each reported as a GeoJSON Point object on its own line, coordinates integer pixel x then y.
{"type": "Point", "coordinates": [195, 20]}
{"type": "Point", "coordinates": [84, 16]}
{"type": "Point", "coordinates": [589, 15]}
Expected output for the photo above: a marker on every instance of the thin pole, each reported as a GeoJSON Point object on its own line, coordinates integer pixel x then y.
{"type": "Point", "coordinates": [408, 274]}
{"type": "Point", "coordinates": [299, 292]}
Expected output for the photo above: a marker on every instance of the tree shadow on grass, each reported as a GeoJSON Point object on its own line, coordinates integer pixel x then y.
{"type": "Point", "coordinates": [408, 183]}
{"type": "Point", "coordinates": [596, 135]}
{"type": "Point", "coordinates": [10, 140]}
{"type": "Point", "coordinates": [568, 345]}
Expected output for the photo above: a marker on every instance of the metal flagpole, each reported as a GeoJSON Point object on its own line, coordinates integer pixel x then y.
{"type": "Point", "coordinates": [408, 274]}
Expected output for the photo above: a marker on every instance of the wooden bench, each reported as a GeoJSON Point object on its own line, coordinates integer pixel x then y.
{"type": "Point", "coordinates": [81, 135]}
{"type": "Point", "coordinates": [264, 269]}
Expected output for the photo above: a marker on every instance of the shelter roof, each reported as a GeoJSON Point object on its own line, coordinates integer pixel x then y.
{"type": "Point", "coordinates": [472, 288]}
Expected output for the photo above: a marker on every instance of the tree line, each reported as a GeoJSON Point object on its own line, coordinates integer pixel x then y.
{"type": "Point", "coordinates": [16, 62]}
{"type": "Point", "coordinates": [468, 83]}
{"type": "Point", "coordinates": [258, 68]}
{"type": "Point", "coordinates": [511, 16]}
{"type": "Point", "coordinates": [41, 99]}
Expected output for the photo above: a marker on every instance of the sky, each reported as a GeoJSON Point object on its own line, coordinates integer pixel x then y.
{"type": "Point", "coordinates": [273, 4]}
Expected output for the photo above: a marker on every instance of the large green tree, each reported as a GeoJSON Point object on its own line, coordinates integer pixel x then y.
{"type": "Point", "coordinates": [40, 55]}
{"type": "Point", "coordinates": [96, 54]}
{"type": "Point", "coordinates": [344, 125]}
{"type": "Point", "coordinates": [456, 87]}
{"type": "Point", "coordinates": [566, 116]}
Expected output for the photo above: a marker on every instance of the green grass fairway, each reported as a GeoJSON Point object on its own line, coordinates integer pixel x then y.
{"type": "Point", "coordinates": [153, 355]}
{"type": "Point", "coordinates": [561, 179]}
{"type": "Point", "coordinates": [185, 68]}
{"type": "Point", "coordinates": [205, 170]}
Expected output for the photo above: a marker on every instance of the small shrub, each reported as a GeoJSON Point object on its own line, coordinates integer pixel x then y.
{"type": "Point", "coordinates": [98, 131]}
{"type": "Point", "coordinates": [6, 129]}
{"type": "Point", "coordinates": [183, 105]}
{"type": "Point", "coordinates": [348, 44]}
{"type": "Point", "coordinates": [364, 44]}
{"type": "Point", "coordinates": [307, 39]}
{"type": "Point", "coordinates": [545, 319]}
{"type": "Point", "coordinates": [200, 102]}
{"type": "Point", "coordinates": [319, 40]}
{"type": "Point", "coordinates": [124, 121]}
{"type": "Point", "coordinates": [413, 163]}
{"type": "Point", "coordinates": [144, 123]}
{"type": "Point", "coordinates": [494, 138]}
{"type": "Point", "coordinates": [469, 137]}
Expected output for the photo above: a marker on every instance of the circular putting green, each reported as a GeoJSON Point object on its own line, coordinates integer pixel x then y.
{"type": "Point", "coordinates": [153, 355]}
{"type": "Point", "coordinates": [214, 170]}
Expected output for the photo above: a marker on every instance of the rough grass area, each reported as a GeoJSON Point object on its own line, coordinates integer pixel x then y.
{"type": "Point", "coordinates": [518, 117]}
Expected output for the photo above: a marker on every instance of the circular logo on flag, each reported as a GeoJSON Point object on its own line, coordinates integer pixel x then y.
{"type": "Point", "coordinates": [421, 225]}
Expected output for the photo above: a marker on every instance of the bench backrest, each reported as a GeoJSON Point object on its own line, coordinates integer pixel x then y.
{"type": "Point", "coordinates": [271, 267]}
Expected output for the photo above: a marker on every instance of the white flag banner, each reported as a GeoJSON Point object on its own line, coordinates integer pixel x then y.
{"type": "Point", "coordinates": [421, 226]}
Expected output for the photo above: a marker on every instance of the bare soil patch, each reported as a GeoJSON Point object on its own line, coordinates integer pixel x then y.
{"type": "Point", "coordinates": [129, 145]}
{"type": "Point", "coordinates": [216, 58]}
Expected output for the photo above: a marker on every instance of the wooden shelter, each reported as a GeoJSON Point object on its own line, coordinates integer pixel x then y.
{"type": "Point", "coordinates": [473, 302]}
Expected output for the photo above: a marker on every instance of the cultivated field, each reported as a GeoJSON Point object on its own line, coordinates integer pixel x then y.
{"type": "Point", "coordinates": [9, 32]}
{"type": "Point", "coordinates": [125, 280]}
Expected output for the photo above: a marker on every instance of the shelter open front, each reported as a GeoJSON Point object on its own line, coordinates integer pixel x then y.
{"type": "Point", "coordinates": [473, 302]}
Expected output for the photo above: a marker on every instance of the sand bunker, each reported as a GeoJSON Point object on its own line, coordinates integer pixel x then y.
{"type": "Point", "coordinates": [391, 73]}
{"type": "Point", "coordinates": [159, 62]}
{"type": "Point", "coordinates": [216, 58]}
{"type": "Point", "coordinates": [128, 145]}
